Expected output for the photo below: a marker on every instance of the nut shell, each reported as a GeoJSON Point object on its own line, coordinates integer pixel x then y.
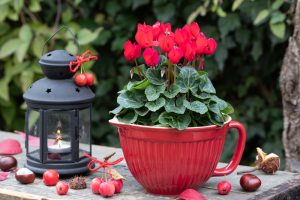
{"type": "Point", "coordinates": [25, 178]}
{"type": "Point", "coordinates": [8, 163]}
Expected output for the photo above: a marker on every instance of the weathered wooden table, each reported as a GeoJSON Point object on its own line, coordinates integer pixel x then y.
{"type": "Point", "coordinates": [283, 185]}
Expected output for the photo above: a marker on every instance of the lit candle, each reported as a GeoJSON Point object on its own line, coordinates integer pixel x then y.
{"type": "Point", "coordinates": [59, 145]}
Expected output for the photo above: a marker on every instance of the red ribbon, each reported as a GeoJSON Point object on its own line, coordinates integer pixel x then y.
{"type": "Point", "coordinates": [85, 57]}
{"type": "Point", "coordinates": [104, 164]}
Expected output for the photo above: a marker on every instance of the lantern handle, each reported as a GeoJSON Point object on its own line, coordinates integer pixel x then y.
{"type": "Point", "coordinates": [62, 27]}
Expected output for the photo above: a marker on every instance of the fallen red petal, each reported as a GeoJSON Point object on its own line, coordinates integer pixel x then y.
{"type": "Point", "coordinates": [4, 175]}
{"type": "Point", "coordinates": [10, 147]}
{"type": "Point", "coordinates": [191, 194]}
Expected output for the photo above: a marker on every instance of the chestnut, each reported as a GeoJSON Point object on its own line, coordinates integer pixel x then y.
{"type": "Point", "coordinates": [8, 163]}
{"type": "Point", "coordinates": [25, 176]}
{"type": "Point", "coordinates": [250, 182]}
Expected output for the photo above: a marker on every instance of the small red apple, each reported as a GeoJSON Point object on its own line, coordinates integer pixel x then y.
{"type": "Point", "coordinates": [80, 80]}
{"type": "Point", "coordinates": [118, 185]}
{"type": "Point", "coordinates": [89, 78]}
{"type": "Point", "coordinates": [95, 184]}
{"type": "Point", "coordinates": [107, 189]}
{"type": "Point", "coordinates": [50, 177]}
{"type": "Point", "coordinates": [62, 187]}
{"type": "Point", "coordinates": [224, 187]}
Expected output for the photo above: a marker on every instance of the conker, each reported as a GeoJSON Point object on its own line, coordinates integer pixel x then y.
{"type": "Point", "coordinates": [25, 176]}
{"type": "Point", "coordinates": [8, 163]}
{"type": "Point", "coordinates": [250, 182]}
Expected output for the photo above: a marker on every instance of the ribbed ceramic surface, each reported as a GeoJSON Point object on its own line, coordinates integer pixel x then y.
{"type": "Point", "coordinates": [166, 167]}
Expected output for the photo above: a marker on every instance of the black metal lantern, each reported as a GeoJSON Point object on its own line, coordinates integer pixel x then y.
{"type": "Point", "coordinates": [58, 118]}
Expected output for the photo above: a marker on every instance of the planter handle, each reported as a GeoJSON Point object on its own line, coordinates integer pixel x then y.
{"type": "Point", "coordinates": [238, 152]}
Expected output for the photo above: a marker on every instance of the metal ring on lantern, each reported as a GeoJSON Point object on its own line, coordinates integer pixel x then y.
{"type": "Point", "coordinates": [70, 31]}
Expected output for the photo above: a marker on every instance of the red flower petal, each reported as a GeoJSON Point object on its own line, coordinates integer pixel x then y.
{"type": "Point", "coordinates": [10, 147]}
{"type": "Point", "coordinates": [4, 175]}
{"type": "Point", "coordinates": [191, 194]}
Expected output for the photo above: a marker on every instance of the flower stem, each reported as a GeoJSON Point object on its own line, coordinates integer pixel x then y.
{"type": "Point", "coordinates": [175, 68]}
{"type": "Point", "coordinates": [169, 71]}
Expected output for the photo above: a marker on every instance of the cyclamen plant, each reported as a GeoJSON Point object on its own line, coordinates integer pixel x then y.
{"type": "Point", "coordinates": [173, 89]}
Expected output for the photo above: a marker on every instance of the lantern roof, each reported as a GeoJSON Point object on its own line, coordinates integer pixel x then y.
{"type": "Point", "coordinates": [57, 92]}
{"type": "Point", "coordinates": [57, 88]}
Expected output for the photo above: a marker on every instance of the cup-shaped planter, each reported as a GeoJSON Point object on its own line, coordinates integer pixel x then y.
{"type": "Point", "coordinates": [166, 161]}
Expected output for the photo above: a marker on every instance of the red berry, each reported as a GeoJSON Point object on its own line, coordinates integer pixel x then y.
{"type": "Point", "coordinates": [62, 187]}
{"type": "Point", "coordinates": [118, 185]}
{"type": "Point", "coordinates": [250, 182]}
{"type": "Point", "coordinates": [95, 184]}
{"type": "Point", "coordinates": [224, 187]}
{"type": "Point", "coordinates": [107, 189]}
{"type": "Point", "coordinates": [89, 78]}
{"type": "Point", "coordinates": [50, 177]}
{"type": "Point", "coordinates": [80, 80]}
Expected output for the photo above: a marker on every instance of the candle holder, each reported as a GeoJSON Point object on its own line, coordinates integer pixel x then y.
{"type": "Point", "coordinates": [58, 118]}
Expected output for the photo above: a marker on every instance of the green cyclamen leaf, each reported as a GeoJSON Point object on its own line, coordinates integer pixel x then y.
{"type": "Point", "coordinates": [187, 79]}
{"type": "Point", "coordinates": [153, 92]}
{"type": "Point", "coordinates": [195, 106]}
{"type": "Point", "coordinates": [130, 100]}
{"type": "Point", "coordinates": [179, 121]}
{"type": "Point", "coordinates": [128, 117]}
{"type": "Point", "coordinates": [154, 76]}
{"type": "Point", "coordinates": [206, 85]}
{"type": "Point", "coordinates": [156, 105]}
{"type": "Point", "coordinates": [175, 106]}
{"type": "Point", "coordinates": [142, 111]}
{"type": "Point", "coordinates": [116, 110]}
{"type": "Point", "coordinates": [172, 91]}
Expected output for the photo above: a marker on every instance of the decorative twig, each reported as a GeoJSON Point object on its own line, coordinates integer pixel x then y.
{"type": "Point", "coordinates": [235, 191]}
{"type": "Point", "coordinates": [109, 156]}
{"type": "Point", "coordinates": [246, 171]}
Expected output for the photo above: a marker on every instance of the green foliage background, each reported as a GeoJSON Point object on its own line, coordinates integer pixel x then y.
{"type": "Point", "coordinates": [251, 34]}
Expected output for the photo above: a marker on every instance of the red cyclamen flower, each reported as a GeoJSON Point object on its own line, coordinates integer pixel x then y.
{"type": "Point", "coordinates": [211, 46]}
{"type": "Point", "coordinates": [144, 35]}
{"type": "Point", "coordinates": [131, 51]}
{"type": "Point", "coordinates": [151, 57]}
{"type": "Point", "coordinates": [201, 43]}
{"type": "Point", "coordinates": [190, 51]}
{"type": "Point", "coordinates": [166, 43]}
{"type": "Point", "coordinates": [181, 36]}
{"type": "Point", "coordinates": [193, 29]}
{"type": "Point", "coordinates": [175, 55]}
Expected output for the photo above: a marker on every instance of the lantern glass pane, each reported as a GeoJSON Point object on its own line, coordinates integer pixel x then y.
{"type": "Point", "coordinates": [59, 131]}
{"type": "Point", "coordinates": [84, 131]}
{"type": "Point", "coordinates": [33, 132]}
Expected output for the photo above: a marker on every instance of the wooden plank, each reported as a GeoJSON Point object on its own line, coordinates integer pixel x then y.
{"type": "Point", "coordinates": [279, 186]}
{"type": "Point", "coordinates": [14, 195]}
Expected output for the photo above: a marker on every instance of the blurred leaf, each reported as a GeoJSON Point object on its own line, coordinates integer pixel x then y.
{"type": "Point", "coordinates": [262, 15]}
{"type": "Point", "coordinates": [138, 3]}
{"type": "Point", "coordinates": [8, 113]}
{"type": "Point", "coordinates": [236, 4]}
{"type": "Point", "coordinates": [4, 90]}
{"type": "Point", "coordinates": [22, 50]}
{"type": "Point", "coordinates": [25, 33]}
{"type": "Point", "coordinates": [9, 47]}
{"type": "Point", "coordinates": [18, 4]}
{"type": "Point", "coordinates": [112, 7]}
{"type": "Point", "coordinates": [228, 23]}
{"type": "Point", "coordinates": [256, 51]}
{"type": "Point", "coordinates": [277, 4]}
{"type": "Point", "coordinates": [221, 55]}
{"type": "Point", "coordinates": [4, 11]}
{"type": "Point", "coordinates": [37, 45]}
{"type": "Point", "coordinates": [277, 17]}
{"type": "Point", "coordinates": [164, 12]}
{"type": "Point", "coordinates": [26, 79]}
{"type": "Point", "coordinates": [34, 5]}
{"type": "Point", "coordinates": [278, 29]}
{"type": "Point", "coordinates": [2, 2]}
{"type": "Point", "coordinates": [221, 12]}
{"type": "Point", "coordinates": [85, 36]}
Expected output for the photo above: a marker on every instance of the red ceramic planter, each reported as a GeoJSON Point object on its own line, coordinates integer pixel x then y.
{"type": "Point", "coordinates": [166, 161]}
